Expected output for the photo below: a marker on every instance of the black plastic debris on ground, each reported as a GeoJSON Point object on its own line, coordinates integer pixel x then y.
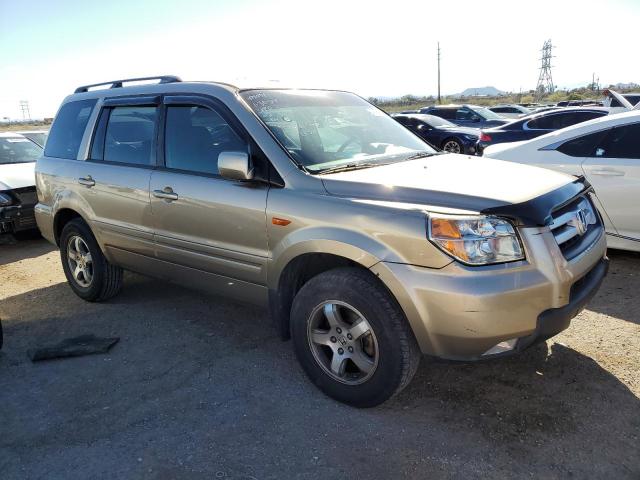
{"type": "Point", "coordinates": [73, 347]}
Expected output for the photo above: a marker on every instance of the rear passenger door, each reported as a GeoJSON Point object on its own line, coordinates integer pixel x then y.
{"type": "Point", "coordinates": [201, 220]}
{"type": "Point", "coordinates": [114, 180]}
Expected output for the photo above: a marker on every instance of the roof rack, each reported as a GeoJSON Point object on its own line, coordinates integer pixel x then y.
{"type": "Point", "coordinates": [118, 83]}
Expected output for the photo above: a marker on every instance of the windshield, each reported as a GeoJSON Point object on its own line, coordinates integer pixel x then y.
{"type": "Point", "coordinates": [38, 137]}
{"type": "Point", "coordinates": [324, 130]}
{"type": "Point", "coordinates": [18, 150]}
{"type": "Point", "coordinates": [486, 113]}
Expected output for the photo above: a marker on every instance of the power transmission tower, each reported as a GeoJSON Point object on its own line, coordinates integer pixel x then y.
{"type": "Point", "coordinates": [595, 83]}
{"type": "Point", "coordinates": [24, 106]}
{"type": "Point", "coordinates": [545, 81]}
{"type": "Point", "coordinates": [439, 102]}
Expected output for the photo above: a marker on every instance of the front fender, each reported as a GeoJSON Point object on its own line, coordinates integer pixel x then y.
{"type": "Point", "coordinates": [348, 244]}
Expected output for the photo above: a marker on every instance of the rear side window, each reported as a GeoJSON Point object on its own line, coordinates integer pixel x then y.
{"type": "Point", "coordinates": [623, 142]}
{"type": "Point", "coordinates": [464, 114]}
{"type": "Point", "coordinates": [448, 113]}
{"type": "Point", "coordinates": [562, 120]}
{"type": "Point", "coordinates": [68, 128]}
{"type": "Point", "coordinates": [126, 135]}
{"type": "Point", "coordinates": [194, 138]}
{"type": "Point", "coordinates": [584, 146]}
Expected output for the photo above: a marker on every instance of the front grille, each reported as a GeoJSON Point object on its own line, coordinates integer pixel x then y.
{"type": "Point", "coordinates": [576, 226]}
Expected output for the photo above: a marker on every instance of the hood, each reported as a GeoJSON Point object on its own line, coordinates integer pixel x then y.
{"type": "Point", "coordinates": [453, 181]}
{"type": "Point", "coordinates": [17, 175]}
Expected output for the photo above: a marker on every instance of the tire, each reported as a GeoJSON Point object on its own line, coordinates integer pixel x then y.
{"type": "Point", "coordinates": [452, 145]}
{"type": "Point", "coordinates": [388, 351]}
{"type": "Point", "coordinates": [101, 280]}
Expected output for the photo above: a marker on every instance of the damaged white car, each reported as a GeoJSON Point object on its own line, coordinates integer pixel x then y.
{"type": "Point", "coordinates": [18, 157]}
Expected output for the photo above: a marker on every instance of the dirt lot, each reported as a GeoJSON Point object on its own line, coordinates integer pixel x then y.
{"type": "Point", "coordinates": [202, 388]}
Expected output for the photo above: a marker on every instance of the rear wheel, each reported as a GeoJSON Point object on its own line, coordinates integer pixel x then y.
{"type": "Point", "coordinates": [88, 272]}
{"type": "Point", "coordinates": [352, 338]}
{"type": "Point", "coordinates": [452, 145]}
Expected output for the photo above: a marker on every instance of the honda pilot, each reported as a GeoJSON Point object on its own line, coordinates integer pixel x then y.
{"type": "Point", "coordinates": [368, 247]}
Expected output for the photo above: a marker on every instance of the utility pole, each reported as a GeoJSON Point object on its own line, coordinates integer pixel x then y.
{"type": "Point", "coordinates": [439, 100]}
{"type": "Point", "coordinates": [24, 106]}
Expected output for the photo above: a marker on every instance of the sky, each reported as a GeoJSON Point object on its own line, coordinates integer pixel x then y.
{"type": "Point", "coordinates": [373, 48]}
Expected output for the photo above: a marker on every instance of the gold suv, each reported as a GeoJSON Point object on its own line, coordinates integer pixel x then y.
{"type": "Point", "coordinates": [368, 246]}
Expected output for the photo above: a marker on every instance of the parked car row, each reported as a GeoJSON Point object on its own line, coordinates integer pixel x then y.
{"type": "Point", "coordinates": [535, 125]}
{"type": "Point", "coordinates": [595, 142]}
{"type": "Point", "coordinates": [606, 151]}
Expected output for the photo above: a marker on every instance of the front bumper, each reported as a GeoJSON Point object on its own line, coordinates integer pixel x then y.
{"type": "Point", "coordinates": [461, 313]}
{"type": "Point", "coordinates": [16, 218]}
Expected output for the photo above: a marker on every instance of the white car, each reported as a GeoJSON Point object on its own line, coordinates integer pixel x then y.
{"type": "Point", "coordinates": [607, 152]}
{"type": "Point", "coordinates": [617, 102]}
{"type": "Point", "coordinates": [18, 157]}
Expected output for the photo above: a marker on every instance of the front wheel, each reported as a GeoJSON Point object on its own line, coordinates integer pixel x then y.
{"type": "Point", "coordinates": [352, 338]}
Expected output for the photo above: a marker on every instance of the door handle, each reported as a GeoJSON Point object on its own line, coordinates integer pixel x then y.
{"type": "Point", "coordinates": [608, 172]}
{"type": "Point", "coordinates": [87, 181]}
{"type": "Point", "coordinates": [166, 194]}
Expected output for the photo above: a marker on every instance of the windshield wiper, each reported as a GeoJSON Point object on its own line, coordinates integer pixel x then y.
{"type": "Point", "coordinates": [415, 156]}
{"type": "Point", "coordinates": [350, 166]}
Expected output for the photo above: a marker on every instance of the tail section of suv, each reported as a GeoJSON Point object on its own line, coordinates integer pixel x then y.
{"type": "Point", "coordinates": [368, 247]}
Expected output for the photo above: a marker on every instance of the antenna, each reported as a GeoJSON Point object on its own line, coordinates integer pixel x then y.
{"type": "Point", "coordinates": [545, 80]}
{"type": "Point", "coordinates": [439, 101]}
{"type": "Point", "coordinates": [24, 106]}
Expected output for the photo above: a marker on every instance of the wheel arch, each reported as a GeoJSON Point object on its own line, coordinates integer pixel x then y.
{"type": "Point", "coordinates": [304, 260]}
{"type": "Point", "coordinates": [61, 218]}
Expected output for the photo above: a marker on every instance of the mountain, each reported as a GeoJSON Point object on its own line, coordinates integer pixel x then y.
{"type": "Point", "coordinates": [480, 92]}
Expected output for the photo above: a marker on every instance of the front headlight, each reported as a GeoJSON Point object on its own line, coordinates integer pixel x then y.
{"type": "Point", "coordinates": [475, 240]}
{"type": "Point", "coordinates": [5, 200]}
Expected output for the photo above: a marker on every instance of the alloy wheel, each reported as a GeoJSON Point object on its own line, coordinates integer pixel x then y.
{"type": "Point", "coordinates": [343, 342]}
{"type": "Point", "coordinates": [452, 146]}
{"type": "Point", "coordinates": [80, 261]}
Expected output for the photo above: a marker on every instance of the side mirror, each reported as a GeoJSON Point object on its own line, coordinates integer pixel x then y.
{"type": "Point", "coordinates": [475, 119]}
{"type": "Point", "coordinates": [235, 166]}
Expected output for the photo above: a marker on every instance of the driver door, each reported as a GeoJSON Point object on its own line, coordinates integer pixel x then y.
{"type": "Point", "coordinates": [213, 227]}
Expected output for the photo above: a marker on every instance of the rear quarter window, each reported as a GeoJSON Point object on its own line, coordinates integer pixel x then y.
{"type": "Point", "coordinates": [447, 113]}
{"type": "Point", "coordinates": [68, 128]}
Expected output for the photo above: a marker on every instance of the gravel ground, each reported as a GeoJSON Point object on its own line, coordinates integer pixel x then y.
{"type": "Point", "coordinates": [200, 388]}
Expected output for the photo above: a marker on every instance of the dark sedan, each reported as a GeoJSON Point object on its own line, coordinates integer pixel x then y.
{"type": "Point", "coordinates": [466, 115]}
{"type": "Point", "coordinates": [535, 125]}
{"type": "Point", "coordinates": [441, 133]}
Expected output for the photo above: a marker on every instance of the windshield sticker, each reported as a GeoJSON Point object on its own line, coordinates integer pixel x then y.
{"type": "Point", "coordinates": [17, 140]}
